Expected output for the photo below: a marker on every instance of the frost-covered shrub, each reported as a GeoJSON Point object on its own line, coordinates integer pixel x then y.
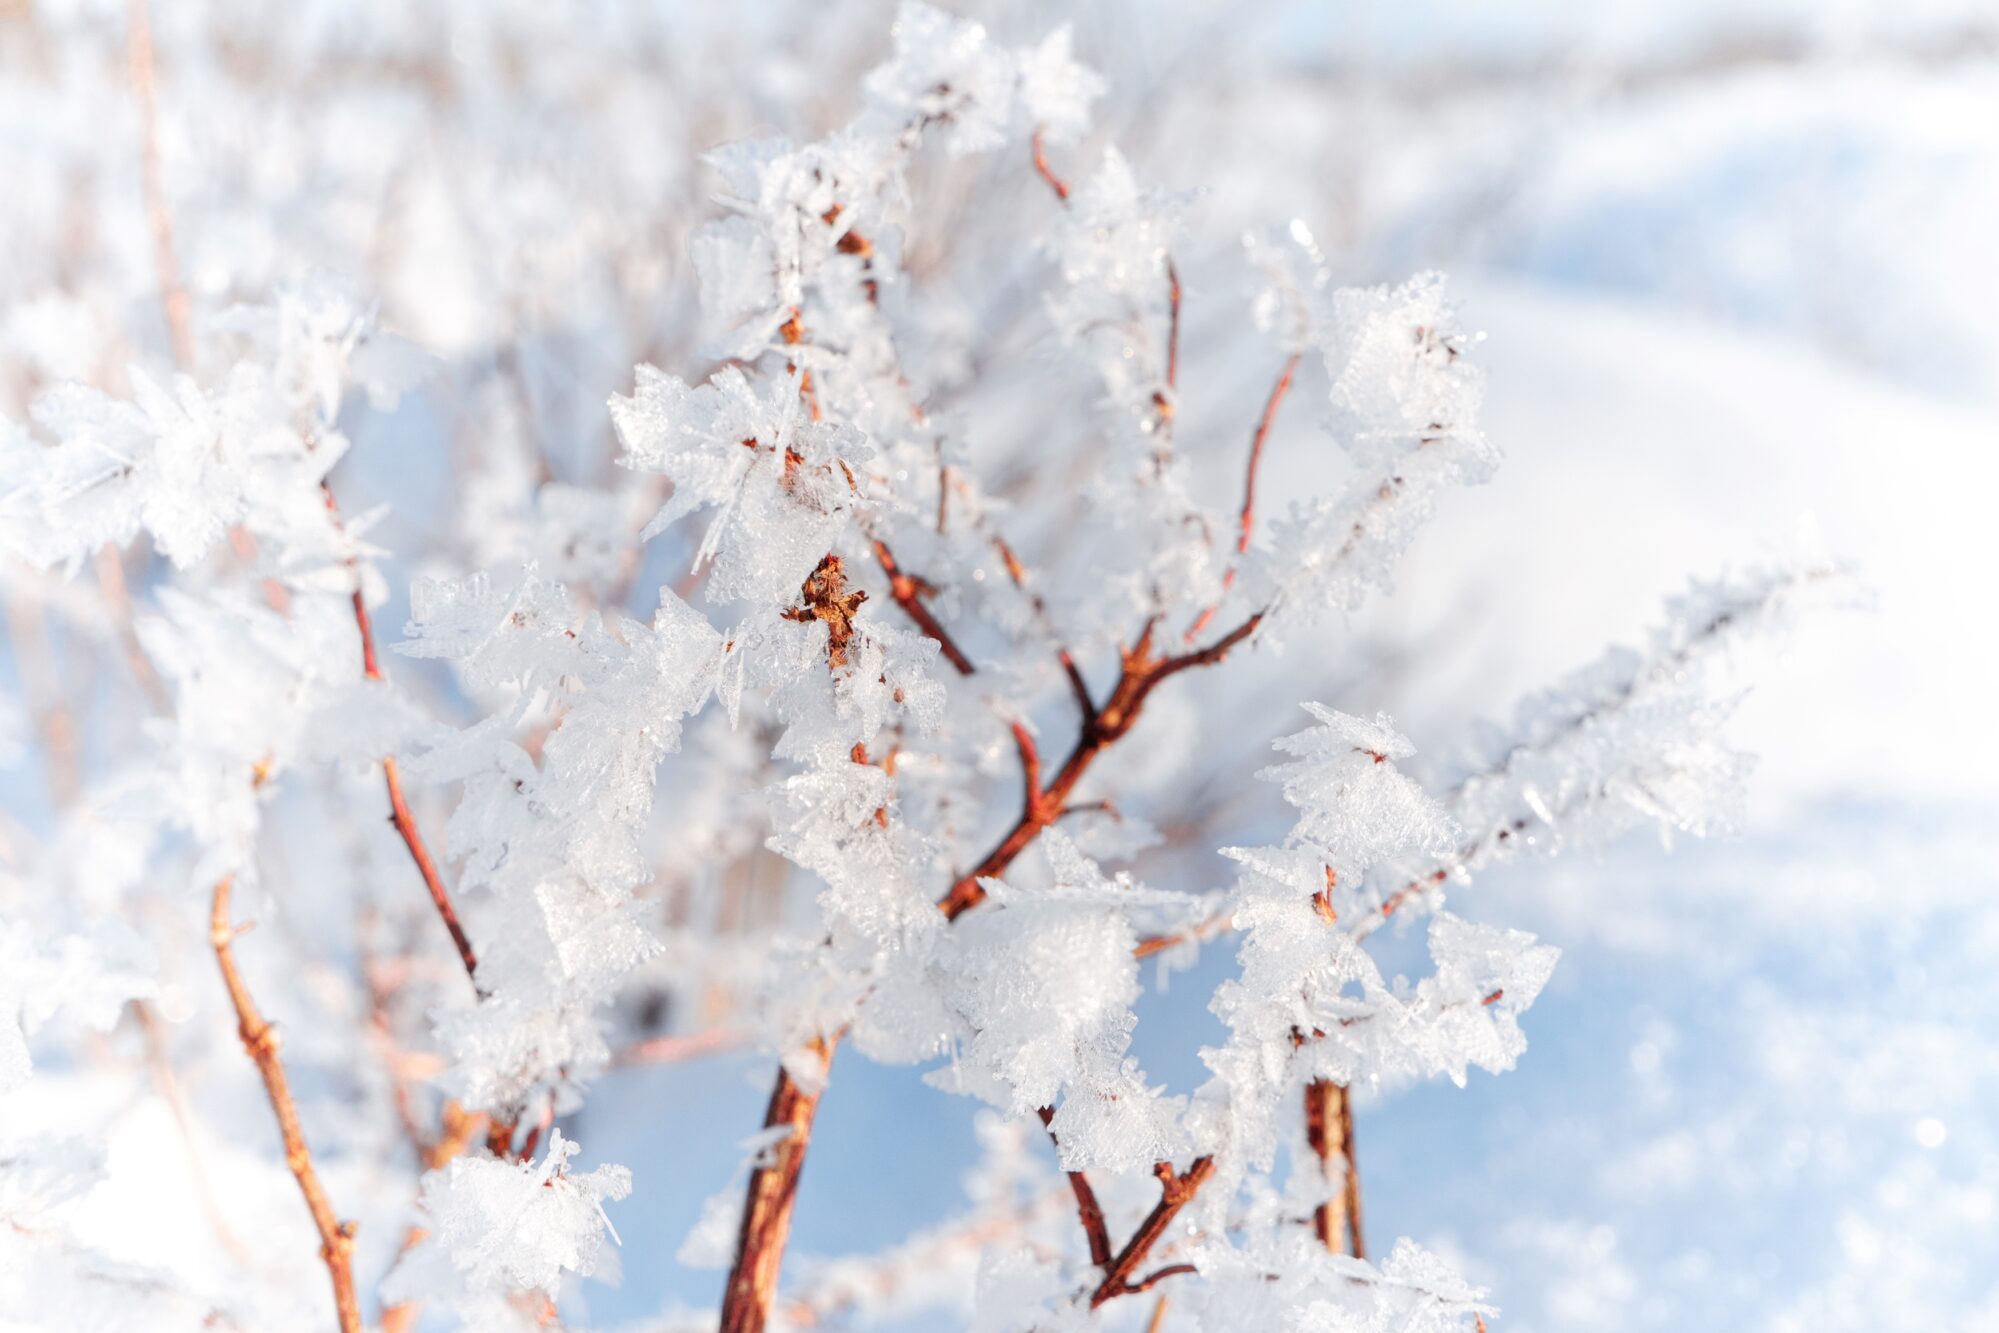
{"type": "Point", "coordinates": [794, 731]}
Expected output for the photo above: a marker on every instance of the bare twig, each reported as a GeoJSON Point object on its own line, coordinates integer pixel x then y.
{"type": "Point", "coordinates": [1017, 574]}
{"type": "Point", "coordinates": [908, 592]}
{"type": "Point", "coordinates": [1158, 1275]}
{"type": "Point", "coordinates": [1356, 1246]}
{"type": "Point", "coordinates": [773, 1189]}
{"type": "Point", "coordinates": [173, 294]}
{"type": "Point", "coordinates": [1200, 930]}
{"type": "Point", "coordinates": [1329, 1130]}
{"type": "Point", "coordinates": [399, 810]}
{"type": "Point", "coordinates": [1088, 1210]}
{"type": "Point", "coordinates": [1256, 443]}
{"type": "Point", "coordinates": [1140, 673]}
{"type": "Point", "coordinates": [1246, 525]}
{"type": "Point", "coordinates": [1047, 173]}
{"type": "Point", "coordinates": [260, 1040]}
{"type": "Point", "coordinates": [672, 1050]}
{"type": "Point", "coordinates": [1176, 1190]}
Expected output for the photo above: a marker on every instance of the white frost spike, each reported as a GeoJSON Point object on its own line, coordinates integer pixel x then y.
{"type": "Point", "coordinates": [1114, 297]}
{"type": "Point", "coordinates": [783, 484]}
{"type": "Point", "coordinates": [1295, 283]}
{"type": "Point", "coordinates": [1310, 1003]}
{"type": "Point", "coordinates": [508, 1226]}
{"type": "Point", "coordinates": [159, 463]}
{"type": "Point", "coordinates": [944, 70]}
{"type": "Point", "coordinates": [1055, 90]}
{"type": "Point", "coordinates": [1044, 981]}
{"type": "Point", "coordinates": [1405, 400]}
{"type": "Point", "coordinates": [497, 634]}
{"type": "Point", "coordinates": [1401, 376]}
{"type": "Point", "coordinates": [1036, 983]}
{"type": "Point", "coordinates": [1468, 1011]}
{"type": "Point", "coordinates": [1357, 808]}
{"type": "Point", "coordinates": [1634, 738]}
{"type": "Point", "coordinates": [87, 978]}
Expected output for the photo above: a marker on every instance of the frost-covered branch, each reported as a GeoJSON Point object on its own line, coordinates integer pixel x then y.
{"type": "Point", "coordinates": [1176, 1190]}
{"type": "Point", "coordinates": [260, 1041]}
{"type": "Point", "coordinates": [814, 699]}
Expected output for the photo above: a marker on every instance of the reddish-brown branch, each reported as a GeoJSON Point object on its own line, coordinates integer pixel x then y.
{"type": "Point", "coordinates": [405, 822]}
{"type": "Point", "coordinates": [1088, 1210]}
{"type": "Point", "coordinates": [773, 1183]}
{"type": "Point", "coordinates": [1356, 1246]}
{"type": "Point", "coordinates": [1329, 1130]}
{"type": "Point", "coordinates": [1055, 183]}
{"type": "Point", "coordinates": [908, 592]}
{"type": "Point", "coordinates": [399, 810]}
{"type": "Point", "coordinates": [260, 1040]}
{"type": "Point", "coordinates": [1318, 1137]}
{"type": "Point", "coordinates": [773, 1189]}
{"type": "Point", "coordinates": [1030, 763]}
{"type": "Point", "coordinates": [1200, 930]}
{"type": "Point", "coordinates": [1017, 573]}
{"type": "Point", "coordinates": [1175, 1192]}
{"type": "Point", "coordinates": [1158, 1275]}
{"type": "Point", "coordinates": [1139, 674]}
{"type": "Point", "coordinates": [672, 1050]}
{"type": "Point", "coordinates": [753, 1277]}
{"type": "Point", "coordinates": [174, 301]}
{"type": "Point", "coordinates": [1164, 398]}
{"type": "Point", "coordinates": [1394, 903]}
{"type": "Point", "coordinates": [1246, 525]}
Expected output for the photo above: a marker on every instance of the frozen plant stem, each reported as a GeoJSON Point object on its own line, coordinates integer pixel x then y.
{"type": "Point", "coordinates": [1046, 172]}
{"type": "Point", "coordinates": [1087, 1208]}
{"type": "Point", "coordinates": [773, 1186]}
{"type": "Point", "coordinates": [773, 1189]}
{"type": "Point", "coordinates": [908, 592]}
{"type": "Point", "coordinates": [260, 1039]}
{"type": "Point", "coordinates": [1139, 673]}
{"type": "Point", "coordinates": [399, 810]}
{"type": "Point", "coordinates": [173, 295]}
{"type": "Point", "coordinates": [1176, 1190]}
{"type": "Point", "coordinates": [1246, 524]}
{"type": "Point", "coordinates": [1329, 1131]}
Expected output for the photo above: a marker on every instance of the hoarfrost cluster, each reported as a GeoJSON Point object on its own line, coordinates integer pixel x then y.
{"type": "Point", "coordinates": [782, 703]}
